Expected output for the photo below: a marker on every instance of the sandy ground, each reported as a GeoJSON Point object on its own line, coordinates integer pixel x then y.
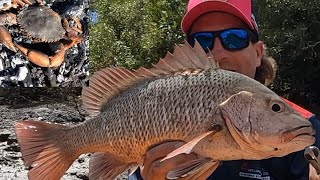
{"type": "Point", "coordinates": [42, 107]}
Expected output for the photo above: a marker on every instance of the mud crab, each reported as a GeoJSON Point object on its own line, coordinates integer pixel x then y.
{"type": "Point", "coordinates": [40, 24]}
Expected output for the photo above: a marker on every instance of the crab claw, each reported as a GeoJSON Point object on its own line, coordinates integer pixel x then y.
{"type": "Point", "coordinates": [42, 59]}
{"type": "Point", "coordinates": [58, 58]}
{"type": "Point", "coordinates": [79, 26]}
{"type": "Point", "coordinates": [73, 41]}
{"type": "Point", "coordinates": [6, 39]}
{"type": "Point", "coordinates": [34, 56]}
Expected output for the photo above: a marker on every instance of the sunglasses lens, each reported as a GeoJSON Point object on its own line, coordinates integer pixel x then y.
{"type": "Point", "coordinates": [205, 40]}
{"type": "Point", "coordinates": [235, 39]}
{"type": "Point", "coordinates": [231, 39]}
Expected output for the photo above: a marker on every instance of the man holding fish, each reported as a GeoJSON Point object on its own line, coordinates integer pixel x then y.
{"type": "Point", "coordinates": [198, 110]}
{"type": "Point", "coordinates": [228, 29]}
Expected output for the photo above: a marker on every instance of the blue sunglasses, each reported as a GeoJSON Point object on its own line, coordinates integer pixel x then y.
{"type": "Point", "coordinates": [231, 39]}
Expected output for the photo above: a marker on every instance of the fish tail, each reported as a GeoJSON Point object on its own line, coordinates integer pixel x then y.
{"type": "Point", "coordinates": [43, 150]}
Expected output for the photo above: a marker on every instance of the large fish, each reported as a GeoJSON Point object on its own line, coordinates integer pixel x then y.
{"type": "Point", "coordinates": [221, 115]}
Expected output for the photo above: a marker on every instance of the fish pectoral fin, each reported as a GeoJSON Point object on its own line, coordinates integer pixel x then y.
{"type": "Point", "coordinates": [133, 169]}
{"type": "Point", "coordinates": [192, 169]}
{"type": "Point", "coordinates": [106, 166]}
{"type": "Point", "coordinates": [205, 171]}
{"type": "Point", "coordinates": [187, 148]}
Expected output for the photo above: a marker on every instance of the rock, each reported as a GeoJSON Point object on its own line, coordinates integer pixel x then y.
{"type": "Point", "coordinates": [4, 3]}
{"type": "Point", "coordinates": [4, 136]}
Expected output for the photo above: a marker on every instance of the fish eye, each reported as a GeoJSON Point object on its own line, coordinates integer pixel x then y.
{"type": "Point", "coordinates": [276, 107]}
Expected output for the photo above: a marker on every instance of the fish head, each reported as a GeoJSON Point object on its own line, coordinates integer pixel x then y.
{"type": "Point", "coordinates": [264, 125]}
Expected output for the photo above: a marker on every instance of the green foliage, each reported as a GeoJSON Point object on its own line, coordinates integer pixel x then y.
{"type": "Point", "coordinates": [134, 33]}
{"type": "Point", "coordinates": [290, 28]}
{"type": "Point", "coordinates": [137, 33]}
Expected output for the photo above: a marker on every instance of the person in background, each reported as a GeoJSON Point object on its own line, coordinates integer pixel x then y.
{"type": "Point", "coordinates": [227, 28]}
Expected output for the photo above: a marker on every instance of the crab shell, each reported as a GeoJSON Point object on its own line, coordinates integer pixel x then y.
{"type": "Point", "coordinates": [41, 23]}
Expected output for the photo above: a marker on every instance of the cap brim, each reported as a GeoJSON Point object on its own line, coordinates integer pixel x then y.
{"type": "Point", "coordinates": [210, 6]}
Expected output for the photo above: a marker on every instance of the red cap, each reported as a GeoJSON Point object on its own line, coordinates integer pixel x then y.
{"type": "Point", "coordinates": [239, 8]}
{"type": "Point", "coordinates": [303, 112]}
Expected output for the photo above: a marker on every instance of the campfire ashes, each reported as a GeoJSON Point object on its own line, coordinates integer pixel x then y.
{"type": "Point", "coordinates": [17, 70]}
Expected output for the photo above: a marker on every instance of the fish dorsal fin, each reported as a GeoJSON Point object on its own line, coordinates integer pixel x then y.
{"type": "Point", "coordinates": [109, 82]}
{"type": "Point", "coordinates": [185, 58]}
{"type": "Point", "coordinates": [104, 85]}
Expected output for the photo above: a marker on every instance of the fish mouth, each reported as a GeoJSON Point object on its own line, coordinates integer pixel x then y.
{"type": "Point", "coordinates": [291, 134]}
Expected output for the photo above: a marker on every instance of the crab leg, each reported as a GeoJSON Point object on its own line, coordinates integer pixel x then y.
{"type": "Point", "coordinates": [21, 3]}
{"type": "Point", "coordinates": [58, 58]}
{"type": "Point", "coordinates": [79, 25]}
{"type": "Point", "coordinates": [73, 41]}
{"type": "Point", "coordinates": [6, 39]}
{"type": "Point", "coordinates": [68, 28]}
{"type": "Point", "coordinates": [42, 59]}
{"type": "Point", "coordinates": [34, 56]}
{"type": "Point", "coordinates": [72, 31]}
{"type": "Point", "coordinates": [77, 29]}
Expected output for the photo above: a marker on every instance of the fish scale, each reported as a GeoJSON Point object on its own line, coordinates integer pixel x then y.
{"type": "Point", "coordinates": [155, 95]}
{"type": "Point", "coordinates": [220, 115]}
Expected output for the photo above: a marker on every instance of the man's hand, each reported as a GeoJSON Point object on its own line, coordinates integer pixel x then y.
{"type": "Point", "coordinates": [313, 175]}
{"type": "Point", "coordinates": [154, 169]}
